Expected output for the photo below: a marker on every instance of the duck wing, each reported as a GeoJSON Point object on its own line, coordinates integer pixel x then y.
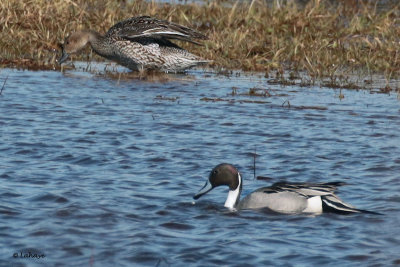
{"type": "Point", "coordinates": [330, 201]}
{"type": "Point", "coordinates": [147, 27]}
{"type": "Point", "coordinates": [304, 189]}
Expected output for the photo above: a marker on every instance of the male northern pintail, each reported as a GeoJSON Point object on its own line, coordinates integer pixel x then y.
{"type": "Point", "coordinates": [282, 197]}
{"type": "Point", "coordinates": [139, 43]}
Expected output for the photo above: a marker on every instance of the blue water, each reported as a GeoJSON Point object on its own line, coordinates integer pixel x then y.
{"type": "Point", "coordinates": [100, 171]}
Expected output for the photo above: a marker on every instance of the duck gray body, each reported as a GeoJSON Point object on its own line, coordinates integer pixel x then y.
{"type": "Point", "coordinates": [139, 43]}
{"type": "Point", "coordinates": [282, 197]}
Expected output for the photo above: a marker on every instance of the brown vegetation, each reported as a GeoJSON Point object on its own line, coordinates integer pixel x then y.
{"type": "Point", "coordinates": [321, 39]}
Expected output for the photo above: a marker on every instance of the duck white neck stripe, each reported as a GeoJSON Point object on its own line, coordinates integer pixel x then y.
{"type": "Point", "coordinates": [234, 195]}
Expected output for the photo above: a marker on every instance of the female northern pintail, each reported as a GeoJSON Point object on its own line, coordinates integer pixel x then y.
{"type": "Point", "coordinates": [282, 197]}
{"type": "Point", "coordinates": [139, 43]}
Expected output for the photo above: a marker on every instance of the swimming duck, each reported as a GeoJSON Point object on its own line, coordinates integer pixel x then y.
{"type": "Point", "coordinates": [281, 197]}
{"type": "Point", "coordinates": [139, 43]}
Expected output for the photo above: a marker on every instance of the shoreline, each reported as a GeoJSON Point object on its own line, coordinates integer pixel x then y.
{"type": "Point", "coordinates": [323, 40]}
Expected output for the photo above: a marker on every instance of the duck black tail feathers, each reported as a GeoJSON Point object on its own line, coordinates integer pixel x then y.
{"type": "Point", "coordinates": [331, 203]}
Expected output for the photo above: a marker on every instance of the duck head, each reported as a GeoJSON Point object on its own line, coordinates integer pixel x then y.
{"type": "Point", "coordinates": [74, 43]}
{"type": "Point", "coordinates": [224, 174]}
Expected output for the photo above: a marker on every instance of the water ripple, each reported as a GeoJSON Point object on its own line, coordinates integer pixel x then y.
{"type": "Point", "coordinates": [96, 171]}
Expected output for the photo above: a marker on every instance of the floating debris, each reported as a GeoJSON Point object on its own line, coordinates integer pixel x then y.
{"type": "Point", "coordinates": [160, 97]}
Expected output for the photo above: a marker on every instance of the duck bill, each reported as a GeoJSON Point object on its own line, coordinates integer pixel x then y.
{"type": "Point", "coordinates": [206, 188]}
{"type": "Point", "coordinates": [63, 57]}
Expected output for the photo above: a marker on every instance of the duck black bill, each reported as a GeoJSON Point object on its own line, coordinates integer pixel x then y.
{"type": "Point", "coordinates": [63, 57]}
{"type": "Point", "coordinates": [206, 188]}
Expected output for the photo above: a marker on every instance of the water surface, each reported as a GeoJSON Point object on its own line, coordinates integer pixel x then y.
{"type": "Point", "coordinates": [96, 171]}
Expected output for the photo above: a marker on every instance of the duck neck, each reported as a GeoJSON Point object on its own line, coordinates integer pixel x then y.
{"type": "Point", "coordinates": [97, 42]}
{"type": "Point", "coordinates": [234, 195]}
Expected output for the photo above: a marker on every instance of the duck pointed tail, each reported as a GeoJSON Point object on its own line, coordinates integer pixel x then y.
{"type": "Point", "coordinates": [331, 203]}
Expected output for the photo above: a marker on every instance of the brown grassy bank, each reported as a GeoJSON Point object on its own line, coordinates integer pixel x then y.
{"type": "Point", "coordinates": [320, 39]}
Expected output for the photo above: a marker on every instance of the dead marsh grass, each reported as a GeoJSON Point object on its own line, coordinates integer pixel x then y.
{"type": "Point", "coordinates": [319, 39]}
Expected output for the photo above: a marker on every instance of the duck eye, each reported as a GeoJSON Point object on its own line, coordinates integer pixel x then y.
{"type": "Point", "coordinates": [215, 171]}
{"type": "Point", "coordinates": [67, 42]}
